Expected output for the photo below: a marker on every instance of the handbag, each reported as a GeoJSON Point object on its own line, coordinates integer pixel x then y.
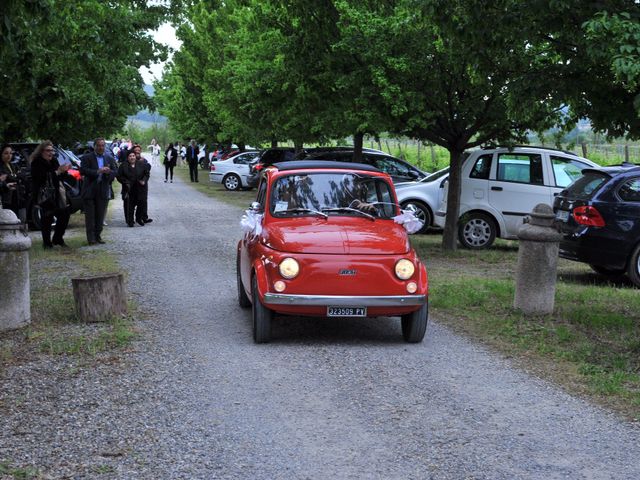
{"type": "Point", "coordinates": [47, 195]}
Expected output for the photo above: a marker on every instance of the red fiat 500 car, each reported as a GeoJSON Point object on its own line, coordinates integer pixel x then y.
{"type": "Point", "coordinates": [321, 240]}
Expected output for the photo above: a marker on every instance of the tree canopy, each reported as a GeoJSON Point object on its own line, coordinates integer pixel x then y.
{"type": "Point", "coordinates": [70, 68]}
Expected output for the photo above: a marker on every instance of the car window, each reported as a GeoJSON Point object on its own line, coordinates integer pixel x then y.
{"type": "Point", "coordinates": [318, 191]}
{"type": "Point", "coordinates": [630, 190]}
{"type": "Point", "coordinates": [391, 166]}
{"type": "Point", "coordinates": [520, 168]}
{"type": "Point", "coordinates": [585, 186]}
{"type": "Point", "coordinates": [261, 198]}
{"type": "Point", "coordinates": [482, 167]}
{"type": "Point", "coordinates": [566, 170]}
{"type": "Point", "coordinates": [244, 159]}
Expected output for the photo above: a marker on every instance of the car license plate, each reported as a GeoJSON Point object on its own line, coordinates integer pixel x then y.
{"type": "Point", "coordinates": [562, 215]}
{"type": "Point", "coordinates": [346, 311]}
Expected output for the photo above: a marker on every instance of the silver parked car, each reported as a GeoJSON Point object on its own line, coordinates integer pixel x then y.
{"type": "Point", "coordinates": [423, 197]}
{"type": "Point", "coordinates": [233, 171]}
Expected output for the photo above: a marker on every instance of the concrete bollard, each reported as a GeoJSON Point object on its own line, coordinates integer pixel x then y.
{"type": "Point", "coordinates": [15, 307]}
{"type": "Point", "coordinates": [537, 262]}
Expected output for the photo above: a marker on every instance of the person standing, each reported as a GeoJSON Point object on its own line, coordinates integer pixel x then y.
{"type": "Point", "coordinates": [46, 171]}
{"type": "Point", "coordinates": [98, 169]}
{"type": "Point", "coordinates": [170, 159]}
{"type": "Point", "coordinates": [129, 175]}
{"type": "Point", "coordinates": [142, 216]}
{"type": "Point", "coordinates": [9, 195]}
{"type": "Point", "coordinates": [155, 152]}
{"type": "Point", "coordinates": [192, 159]}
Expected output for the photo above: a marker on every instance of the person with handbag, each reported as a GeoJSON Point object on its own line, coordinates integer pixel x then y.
{"type": "Point", "coordinates": [46, 177]}
{"type": "Point", "coordinates": [129, 175]}
{"type": "Point", "coordinates": [99, 170]}
{"type": "Point", "coordinates": [170, 159]}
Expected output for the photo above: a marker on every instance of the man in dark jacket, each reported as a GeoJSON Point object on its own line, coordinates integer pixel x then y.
{"type": "Point", "coordinates": [142, 215]}
{"type": "Point", "coordinates": [98, 169]}
{"type": "Point", "coordinates": [192, 158]}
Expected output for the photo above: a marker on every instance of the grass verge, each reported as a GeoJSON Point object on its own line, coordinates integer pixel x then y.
{"type": "Point", "coordinates": [55, 328]}
{"type": "Point", "coordinates": [590, 344]}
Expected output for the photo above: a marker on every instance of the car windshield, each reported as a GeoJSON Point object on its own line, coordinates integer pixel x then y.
{"type": "Point", "coordinates": [338, 193]}
{"type": "Point", "coordinates": [432, 177]}
{"type": "Point", "coordinates": [586, 186]}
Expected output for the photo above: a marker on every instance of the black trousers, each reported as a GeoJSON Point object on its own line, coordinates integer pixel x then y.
{"type": "Point", "coordinates": [62, 220]}
{"type": "Point", "coordinates": [193, 170]}
{"type": "Point", "coordinates": [168, 169]}
{"type": "Point", "coordinates": [94, 212]}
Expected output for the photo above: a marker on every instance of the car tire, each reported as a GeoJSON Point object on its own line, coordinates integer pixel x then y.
{"type": "Point", "coordinates": [243, 299]}
{"type": "Point", "coordinates": [414, 325]}
{"type": "Point", "coordinates": [261, 316]}
{"type": "Point", "coordinates": [232, 182]}
{"type": "Point", "coordinates": [421, 211]}
{"type": "Point", "coordinates": [477, 231]}
{"type": "Point", "coordinates": [633, 269]}
{"type": "Point", "coordinates": [607, 272]}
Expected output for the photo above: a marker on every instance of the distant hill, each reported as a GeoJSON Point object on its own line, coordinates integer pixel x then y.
{"type": "Point", "coordinates": [145, 118]}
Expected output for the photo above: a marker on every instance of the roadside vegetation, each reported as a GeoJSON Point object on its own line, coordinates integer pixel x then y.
{"type": "Point", "coordinates": [55, 328]}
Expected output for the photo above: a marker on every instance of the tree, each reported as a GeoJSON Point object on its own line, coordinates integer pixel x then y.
{"type": "Point", "coordinates": [72, 67]}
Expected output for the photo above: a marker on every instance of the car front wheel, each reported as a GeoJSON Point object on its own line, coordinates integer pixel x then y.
{"type": "Point", "coordinates": [477, 231]}
{"type": "Point", "coordinates": [633, 270]}
{"type": "Point", "coordinates": [261, 316]}
{"type": "Point", "coordinates": [414, 325]}
{"type": "Point", "coordinates": [421, 212]}
{"type": "Point", "coordinates": [231, 182]}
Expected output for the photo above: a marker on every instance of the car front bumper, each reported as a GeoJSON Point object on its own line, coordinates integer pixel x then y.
{"type": "Point", "coordinates": [344, 301]}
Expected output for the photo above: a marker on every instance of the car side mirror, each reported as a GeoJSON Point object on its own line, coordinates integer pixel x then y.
{"type": "Point", "coordinates": [255, 207]}
{"type": "Point", "coordinates": [413, 175]}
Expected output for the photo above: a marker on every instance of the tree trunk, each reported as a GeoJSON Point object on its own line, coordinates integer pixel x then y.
{"type": "Point", "coordinates": [274, 143]}
{"type": "Point", "coordinates": [450, 235]}
{"type": "Point", "coordinates": [358, 138]}
{"type": "Point", "coordinates": [100, 297]}
{"type": "Point", "coordinates": [297, 146]}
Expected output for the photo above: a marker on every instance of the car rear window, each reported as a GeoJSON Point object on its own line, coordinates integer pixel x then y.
{"type": "Point", "coordinates": [587, 185]}
{"type": "Point", "coordinates": [630, 190]}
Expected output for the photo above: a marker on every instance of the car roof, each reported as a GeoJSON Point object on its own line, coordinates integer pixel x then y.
{"type": "Point", "coordinates": [613, 170]}
{"type": "Point", "coordinates": [323, 164]}
{"type": "Point", "coordinates": [520, 147]}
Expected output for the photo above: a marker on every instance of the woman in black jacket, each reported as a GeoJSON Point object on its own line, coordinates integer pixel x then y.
{"type": "Point", "coordinates": [44, 169]}
{"type": "Point", "coordinates": [170, 160]}
{"type": "Point", "coordinates": [129, 175]}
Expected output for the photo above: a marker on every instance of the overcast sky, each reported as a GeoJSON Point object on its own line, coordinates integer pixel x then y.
{"type": "Point", "coordinates": [165, 34]}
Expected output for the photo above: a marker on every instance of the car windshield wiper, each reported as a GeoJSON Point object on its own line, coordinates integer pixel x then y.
{"type": "Point", "coordinates": [304, 210]}
{"type": "Point", "coordinates": [349, 209]}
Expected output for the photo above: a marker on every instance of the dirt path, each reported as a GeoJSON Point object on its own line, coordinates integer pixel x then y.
{"type": "Point", "coordinates": [326, 399]}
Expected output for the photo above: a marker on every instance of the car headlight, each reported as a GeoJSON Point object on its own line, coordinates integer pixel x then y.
{"type": "Point", "coordinates": [404, 269]}
{"type": "Point", "coordinates": [289, 268]}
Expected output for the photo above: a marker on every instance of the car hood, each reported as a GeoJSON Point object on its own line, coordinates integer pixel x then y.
{"type": "Point", "coordinates": [337, 235]}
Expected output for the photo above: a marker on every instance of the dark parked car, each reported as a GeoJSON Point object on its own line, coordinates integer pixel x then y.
{"type": "Point", "coordinates": [397, 169]}
{"type": "Point", "coordinates": [599, 216]}
{"type": "Point", "coordinates": [22, 152]}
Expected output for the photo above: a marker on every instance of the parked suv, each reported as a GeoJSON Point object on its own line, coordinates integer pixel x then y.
{"type": "Point", "coordinates": [599, 216]}
{"type": "Point", "coordinates": [500, 186]}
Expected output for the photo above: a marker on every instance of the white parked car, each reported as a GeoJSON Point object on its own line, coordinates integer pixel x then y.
{"type": "Point", "coordinates": [233, 171]}
{"type": "Point", "coordinates": [423, 197]}
{"type": "Point", "coordinates": [501, 186]}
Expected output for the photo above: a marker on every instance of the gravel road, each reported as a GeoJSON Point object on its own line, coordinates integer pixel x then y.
{"type": "Point", "coordinates": [195, 398]}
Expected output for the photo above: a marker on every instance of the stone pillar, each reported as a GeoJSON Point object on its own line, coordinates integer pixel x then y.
{"type": "Point", "coordinates": [537, 262]}
{"type": "Point", "coordinates": [15, 307]}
